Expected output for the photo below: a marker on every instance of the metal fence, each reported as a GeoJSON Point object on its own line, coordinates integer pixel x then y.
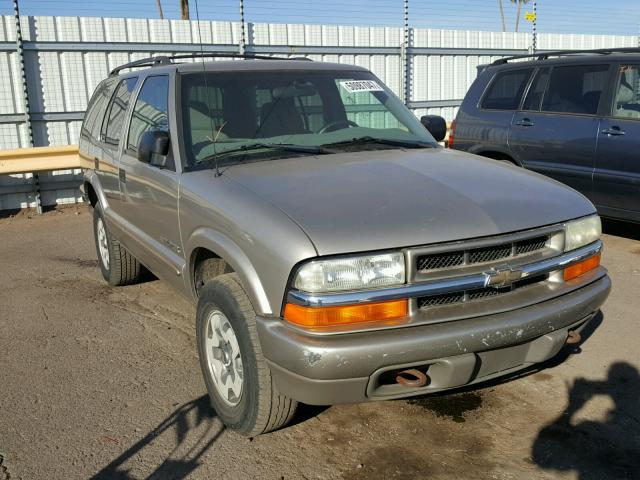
{"type": "Point", "coordinates": [65, 58]}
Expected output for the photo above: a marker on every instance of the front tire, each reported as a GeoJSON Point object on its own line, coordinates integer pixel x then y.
{"type": "Point", "coordinates": [117, 265]}
{"type": "Point", "coordinates": [235, 372]}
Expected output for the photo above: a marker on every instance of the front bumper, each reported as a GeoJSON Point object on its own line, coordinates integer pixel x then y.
{"type": "Point", "coordinates": [349, 368]}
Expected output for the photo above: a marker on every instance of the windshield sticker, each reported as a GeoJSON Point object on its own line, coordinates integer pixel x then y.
{"type": "Point", "coordinates": [355, 86]}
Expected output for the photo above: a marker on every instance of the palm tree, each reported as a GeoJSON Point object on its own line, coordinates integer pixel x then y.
{"type": "Point", "coordinates": [504, 26]}
{"type": "Point", "coordinates": [520, 3]}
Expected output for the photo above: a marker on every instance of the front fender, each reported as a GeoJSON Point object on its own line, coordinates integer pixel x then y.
{"type": "Point", "coordinates": [227, 249]}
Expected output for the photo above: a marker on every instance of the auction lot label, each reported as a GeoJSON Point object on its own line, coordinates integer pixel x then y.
{"type": "Point", "coordinates": [355, 86]}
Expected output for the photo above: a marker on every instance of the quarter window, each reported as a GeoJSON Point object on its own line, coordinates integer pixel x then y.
{"type": "Point", "coordinates": [117, 111]}
{"type": "Point", "coordinates": [150, 111]}
{"type": "Point", "coordinates": [627, 99]}
{"type": "Point", "coordinates": [506, 90]}
{"type": "Point", "coordinates": [575, 89]}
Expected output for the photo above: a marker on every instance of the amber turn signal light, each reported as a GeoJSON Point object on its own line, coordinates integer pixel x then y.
{"type": "Point", "coordinates": [318, 317]}
{"type": "Point", "coordinates": [582, 267]}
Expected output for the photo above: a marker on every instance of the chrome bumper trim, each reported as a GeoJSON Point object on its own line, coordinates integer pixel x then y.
{"type": "Point", "coordinates": [437, 287]}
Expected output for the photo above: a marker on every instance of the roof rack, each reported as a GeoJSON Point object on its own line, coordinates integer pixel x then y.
{"type": "Point", "coordinates": [562, 53]}
{"type": "Point", "coordinates": [168, 59]}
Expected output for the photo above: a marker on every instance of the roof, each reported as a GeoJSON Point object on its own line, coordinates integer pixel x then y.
{"type": "Point", "coordinates": [262, 65]}
{"type": "Point", "coordinates": [247, 63]}
{"type": "Point", "coordinates": [569, 57]}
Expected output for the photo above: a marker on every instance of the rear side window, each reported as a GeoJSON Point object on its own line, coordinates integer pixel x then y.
{"type": "Point", "coordinates": [575, 89]}
{"type": "Point", "coordinates": [506, 90]}
{"type": "Point", "coordinates": [150, 111]}
{"type": "Point", "coordinates": [114, 122]}
{"type": "Point", "coordinates": [95, 111]}
{"type": "Point", "coordinates": [536, 92]}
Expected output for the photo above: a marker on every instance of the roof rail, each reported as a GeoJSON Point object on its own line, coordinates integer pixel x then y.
{"type": "Point", "coordinates": [168, 59]}
{"type": "Point", "coordinates": [561, 53]}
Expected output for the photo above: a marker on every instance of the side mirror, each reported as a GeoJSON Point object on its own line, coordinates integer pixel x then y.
{"type": "Point", "coordinates": [436, 125]}
{"type": "Point", "coordinates": [154, 147]}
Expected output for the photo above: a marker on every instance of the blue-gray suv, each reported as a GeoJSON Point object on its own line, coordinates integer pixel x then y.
{"type": "Point", "coordinates": [570, 115]}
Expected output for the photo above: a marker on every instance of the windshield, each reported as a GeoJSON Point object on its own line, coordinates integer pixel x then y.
{"type": "Point", "coordinates": [244, 116]}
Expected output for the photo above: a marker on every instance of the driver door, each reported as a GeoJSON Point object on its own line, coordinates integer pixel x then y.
{"type": "Point", "coordinates": [150, 192]}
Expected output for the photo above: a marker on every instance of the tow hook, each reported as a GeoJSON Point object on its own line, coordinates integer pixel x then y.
{"type": "Point", "coordinates": [411, 378]}
{"type": "Point", "coordinates": [573, 337]}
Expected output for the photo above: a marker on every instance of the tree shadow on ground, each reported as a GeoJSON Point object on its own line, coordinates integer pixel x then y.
{"type": "Point", "coordinates": [195, 429]}
{"type": "Point", "coordinates": [596, 450]}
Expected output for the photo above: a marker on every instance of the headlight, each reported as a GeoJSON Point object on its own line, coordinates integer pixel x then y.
{"type": "Point", "coordinates": [351, 273]}
{"type": "Point", "coordinates": [579, 233]}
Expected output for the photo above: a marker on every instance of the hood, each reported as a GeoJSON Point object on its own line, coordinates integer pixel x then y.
{"type": "Point", "coordinates": [376, 200]}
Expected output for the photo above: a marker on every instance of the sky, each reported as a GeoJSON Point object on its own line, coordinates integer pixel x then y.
{"type": "Point", "coordinates": [621, 17]}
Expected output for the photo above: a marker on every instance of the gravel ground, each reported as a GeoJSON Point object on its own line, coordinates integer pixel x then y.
{"type": "Point", "coordinates": [100, 382]}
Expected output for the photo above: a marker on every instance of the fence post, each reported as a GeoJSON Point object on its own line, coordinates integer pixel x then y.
{"type": "Point", "coordinates": [25, 98]}
{"type": "Point", "coordinates": [534, 35]}
{"type": "Point", "coordinates": [405, 58]}
{"type": "Point", "coordinates": [242, 45]}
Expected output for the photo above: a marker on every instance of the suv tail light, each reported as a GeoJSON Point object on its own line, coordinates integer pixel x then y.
{"type": "Point", "coordinates": [452, 132]}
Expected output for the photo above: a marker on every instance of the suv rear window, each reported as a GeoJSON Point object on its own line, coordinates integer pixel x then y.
{"type": "Point", "coordinates": [95, 111]}
{"type": "Point", "coordinates": [575, 89]}
{"type": "Point", "coordinates": [506, 90]}
{"type": "Point", "coordinates": [115, 119]}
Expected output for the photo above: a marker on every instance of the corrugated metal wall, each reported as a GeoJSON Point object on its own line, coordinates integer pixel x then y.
{"type": "Point", "coordinates": [66, 57]}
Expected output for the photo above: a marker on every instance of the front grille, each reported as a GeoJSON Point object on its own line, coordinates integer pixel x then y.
{"type": "Point", "coordinates": [531, 245]}
{"type": "Point", "coordinates": [494, 253]}
{"type": "Point", "coordinates": [476, 295]}
{"type": "Point", "coordinates": [440, 260]}
{"type": "Point", "coordinates": [491, 254]}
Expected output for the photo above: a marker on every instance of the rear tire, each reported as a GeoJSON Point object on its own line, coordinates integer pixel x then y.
{"type": "Point", "coordinates": [117, 265]}
{"type": "Point", "coordinates": [228, 346]}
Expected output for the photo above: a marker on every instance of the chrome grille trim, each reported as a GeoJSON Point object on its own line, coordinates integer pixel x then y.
{"type": "Point", "coordinates": [476, 295]}
{"type": "Point", "coordinates": [427, 263]}
{"type": "Point", "coordinates": [440, 286]}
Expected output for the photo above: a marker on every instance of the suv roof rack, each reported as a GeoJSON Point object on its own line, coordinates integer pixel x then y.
{"type": "Point", "coordinates": [562, 53]}
{"type": "Point", "coordinates": [168, 59]}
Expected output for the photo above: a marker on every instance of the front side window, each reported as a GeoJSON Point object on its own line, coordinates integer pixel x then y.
{"type": "Point", "coordinates": [506, 90]}
{"type": "Point", "coordinates": [249, 116]}
{"type": "Point", "coordinates": [627, 98]}
{"type": "Point", "coordinates": [575, 89]}
{"type": "Point", "coordinates": [150, 111]}
{"type": "Point", "coordinates": [114, 122]}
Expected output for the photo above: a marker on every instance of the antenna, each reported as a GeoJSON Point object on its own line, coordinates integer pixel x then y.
{"type": "Point", "coordinates": [214, 134]}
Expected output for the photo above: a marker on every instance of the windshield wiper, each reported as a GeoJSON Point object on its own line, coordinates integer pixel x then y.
{"type": "Point", "coordinates": [382, 141]}
{"type": "Point", "coordinates": [288, 147]}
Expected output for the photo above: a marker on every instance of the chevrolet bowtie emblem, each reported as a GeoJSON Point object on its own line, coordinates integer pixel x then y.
{"type": "Point", "coordinates": [499, 277]}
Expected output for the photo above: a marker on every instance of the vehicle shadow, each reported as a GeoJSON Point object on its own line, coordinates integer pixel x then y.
{"type": "Point", "coordinates": [621, 229]}
{"type": "Point", "coordinates": [195, 431]}
{"type": "Point", "coordinates": [593, 449]}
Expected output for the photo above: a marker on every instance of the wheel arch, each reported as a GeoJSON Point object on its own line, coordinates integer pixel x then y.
{"type": "Point", "coordinates": [496, 154]}
{"type": "Point", "coordinates": [206, 244]}
{"type": "Point", "coordinates": [93, 190]}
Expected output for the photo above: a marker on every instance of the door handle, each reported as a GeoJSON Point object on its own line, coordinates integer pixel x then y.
{"type": "Point", "coordinates": [613, 131]}
{"type": "Point", "coordinates": [525, 122]}
{"type": "Point", "coordinates": [122, 175]}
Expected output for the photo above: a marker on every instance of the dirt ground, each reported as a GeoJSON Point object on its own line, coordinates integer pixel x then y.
{"type": "Point", "coordinates": [99, 382]}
